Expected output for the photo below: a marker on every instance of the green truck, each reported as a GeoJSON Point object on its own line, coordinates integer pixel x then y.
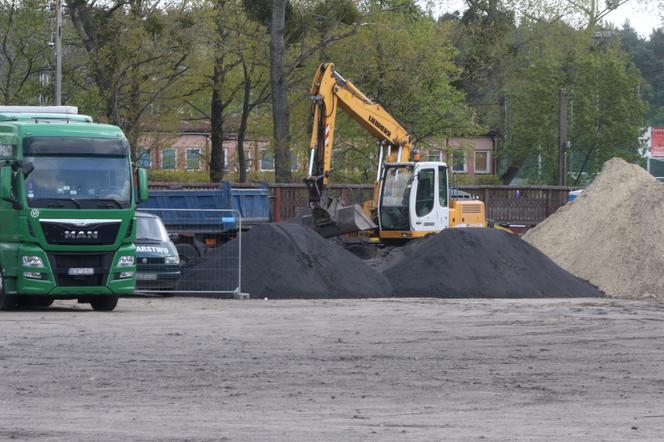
{"type": "Point", "coordinates": [68, 194]}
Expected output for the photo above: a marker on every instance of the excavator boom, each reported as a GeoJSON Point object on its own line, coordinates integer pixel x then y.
{"type": "Point", "coordinates": [328, 92]}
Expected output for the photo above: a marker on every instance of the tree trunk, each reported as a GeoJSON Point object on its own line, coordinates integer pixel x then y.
{"type": "Point", "coordinates": [241, 133]}
{"type": "Point", "coordinates": [279, 84]}
{"type": "Point", "coordinates": [511, 172]}
{"type": "Point", "coordinates": [217, 165]}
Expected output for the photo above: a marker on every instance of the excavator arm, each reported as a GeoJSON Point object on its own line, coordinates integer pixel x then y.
{"type": "Point", "coordinates": [329, 91]}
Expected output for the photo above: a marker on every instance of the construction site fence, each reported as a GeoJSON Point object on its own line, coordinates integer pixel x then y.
{"type": "Point", "coordinates": [526, 205]}
{"type": "Point", "coordinates": [209, 246]}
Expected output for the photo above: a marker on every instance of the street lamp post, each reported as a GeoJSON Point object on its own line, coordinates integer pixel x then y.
{"type": "Point", "coordinates": [58, 52]}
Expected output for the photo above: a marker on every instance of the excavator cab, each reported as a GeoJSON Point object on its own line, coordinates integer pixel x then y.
{"type": "Point", "coordinates": [413, 200]}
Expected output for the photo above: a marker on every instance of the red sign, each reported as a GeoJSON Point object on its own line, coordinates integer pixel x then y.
{"type": "Point", "coordinates": [657, 141]}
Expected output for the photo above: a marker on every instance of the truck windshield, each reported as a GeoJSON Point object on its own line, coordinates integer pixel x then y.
{"type": "Point", "coordinates": [79, 182]}
{"type": "Point", "coordinates": [394, 198]}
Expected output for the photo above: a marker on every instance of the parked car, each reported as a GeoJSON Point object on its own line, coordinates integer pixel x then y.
{"type": "Point", "coordinates": [157, 260]}
{"type": "Point", "coordinates": [461, 195]}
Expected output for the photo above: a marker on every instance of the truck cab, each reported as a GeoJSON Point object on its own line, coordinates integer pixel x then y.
{"type": "Point", "coordinates": [67, 208]}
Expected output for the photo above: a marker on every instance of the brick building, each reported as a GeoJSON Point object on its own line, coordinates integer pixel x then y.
{"type": "Point", "coordinates": [467, 155]}
{"type": "Point", "coordinates": [190, 151]}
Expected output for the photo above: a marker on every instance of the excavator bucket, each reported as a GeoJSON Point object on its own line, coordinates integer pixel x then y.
{"type": "Point", "coordinates": [338, 220]}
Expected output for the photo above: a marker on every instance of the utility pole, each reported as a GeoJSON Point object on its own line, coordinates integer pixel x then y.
{"type": "Point", "coordinates": [562, 142]}
{"type": "Point", "coordinates": [58, 52]}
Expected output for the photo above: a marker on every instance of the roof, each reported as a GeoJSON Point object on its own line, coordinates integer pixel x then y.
{"type": "Point", "coordinates": [44, 117]}
{"type": "Point", "coordinates": [40, 109]}
{"type": "Point", "coordinates": [40, 128]}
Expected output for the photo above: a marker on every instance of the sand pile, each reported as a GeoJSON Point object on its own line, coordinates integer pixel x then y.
{"type": "Point", "coordinates": [481, 263]}
{"type": "Point", "coordinates": [290, 261]}
{"type": "Point", "coordinates": [612, 233]}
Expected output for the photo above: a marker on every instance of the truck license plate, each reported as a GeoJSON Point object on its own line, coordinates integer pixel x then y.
{"type": "Point", "coordinates": [146, 276]}
{"type": "Point", "coordinates": [74, 271]}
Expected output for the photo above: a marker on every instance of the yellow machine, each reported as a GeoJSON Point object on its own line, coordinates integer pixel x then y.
{"type": "Point", "coordinates": [411, 197]}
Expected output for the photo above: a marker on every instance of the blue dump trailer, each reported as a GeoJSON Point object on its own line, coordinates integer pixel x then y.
{"type": "Point", "coordinates": [198, 220]}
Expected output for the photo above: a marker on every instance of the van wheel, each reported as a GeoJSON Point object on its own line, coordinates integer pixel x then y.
{"type": "Point", "coordinates": [187, 254]}
{"type": "Point", "coordinates": [104, 304]}
{"type": "Point", "coordinates": [7, 302]}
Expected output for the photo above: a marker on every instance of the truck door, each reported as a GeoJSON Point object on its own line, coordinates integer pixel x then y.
{"type": "Point", "coordinates": [426, 211]}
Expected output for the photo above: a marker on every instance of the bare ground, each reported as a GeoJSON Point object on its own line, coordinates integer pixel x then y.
{"type": "Point", "coordinates": [416, 369]}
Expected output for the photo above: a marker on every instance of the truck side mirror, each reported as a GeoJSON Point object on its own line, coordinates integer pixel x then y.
{"type": "Point", "coordinates": [142, 178]}
{"type": "Point", "coordinates": [6, 183]}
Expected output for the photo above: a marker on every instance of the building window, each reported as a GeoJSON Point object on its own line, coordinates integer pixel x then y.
{"type": "Point", "coordinates": [169, 158]}
{"type": "Point", "coordinates": [434, 155]}
{"type": "Point", "coordinates": [294, 165]}
{"type": "Point", "coordinates": [459, 160]}
{"type": "Point", "coordinates": [482, 162]}
{"type": "Point", "coordinates": [267, 160]}
{"type": "Point", "coordinates": [144, 158]}
{"type": "Point", "coordinates": [193, 159]}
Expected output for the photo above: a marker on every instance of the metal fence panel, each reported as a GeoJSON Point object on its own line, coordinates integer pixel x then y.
{"type": "Point", "coordinates": [207, 242]}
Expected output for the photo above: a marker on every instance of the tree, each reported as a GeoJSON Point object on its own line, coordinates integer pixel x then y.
{"type": "Point", "coordinates": [407, 65]}
{"type": "Point", "coordinates": [606, 112]}
{"type": "Point", "coordinates": [255, 92]}
{"type": "Point", "coordinates": [135, 53]}
{"type": "Point", "coordinates": [482, 36]}
{"type": "Point", "coordinates": [279, 87]}
{"type": "Point", "coordinates": [581, 14]}
{"type": "Point", "coordinates": [285, 57]}
{"type": "Point", "coordinates": [24, 54]}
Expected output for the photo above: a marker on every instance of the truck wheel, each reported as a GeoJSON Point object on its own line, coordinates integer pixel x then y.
{"type": "Point", "coordinates": [187, 254]}
{"type": "Point", "coordinates": [104, 304]}
{"type": "Point", "coordinates": [7, 302]}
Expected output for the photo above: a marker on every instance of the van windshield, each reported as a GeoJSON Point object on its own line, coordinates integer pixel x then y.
{"type": "Point", "coordinates": [150, 228]}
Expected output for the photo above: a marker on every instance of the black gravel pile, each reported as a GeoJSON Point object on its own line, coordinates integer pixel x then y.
{"type": "Point", "coordinates": [481, 263]}
{"type": "Point", "coordinates": [289, 261]}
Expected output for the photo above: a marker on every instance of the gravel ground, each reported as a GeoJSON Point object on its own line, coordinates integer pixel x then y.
{"type": "Point", "coordinates": [416, 369]}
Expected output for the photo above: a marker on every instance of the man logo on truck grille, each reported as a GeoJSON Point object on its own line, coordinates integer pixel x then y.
{"type": "Point", "coordinates": [80, 234]}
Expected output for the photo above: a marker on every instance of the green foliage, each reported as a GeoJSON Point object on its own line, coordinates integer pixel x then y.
{"type": "Point", "coordinates": [148, 66]}
{"type": "Point", "coordinates": [463, 179]}
{"type": "Point", "coordinates": [261, 11]}
{"type": "Point", "coordinates": [406, 64]}
{"type": "Point", "coordinates": [646, 54]}
{"type": "Point", "coordinates": [657, 119]}
{"type": "Point", "coordinates": [605, 112]}
{"type": "Point", "coordinates": [178, 176]}
{"type": "Point", "coordinates": [133, 54]}
{"type": "Point", "coordinates": [23, 52]}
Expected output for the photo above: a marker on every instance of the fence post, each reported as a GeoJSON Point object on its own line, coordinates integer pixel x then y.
{"type": "Point", "coordinates": [277, 204]}
{"type": "Point", "coordinates": [238, 291]}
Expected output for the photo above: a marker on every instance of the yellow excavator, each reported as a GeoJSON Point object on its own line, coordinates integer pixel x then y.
{"type": "Point", "coordinates": [411, 197]}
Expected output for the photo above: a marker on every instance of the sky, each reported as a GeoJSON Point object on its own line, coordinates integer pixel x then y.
{"type": "Point", "coordinates": [643, 16]}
